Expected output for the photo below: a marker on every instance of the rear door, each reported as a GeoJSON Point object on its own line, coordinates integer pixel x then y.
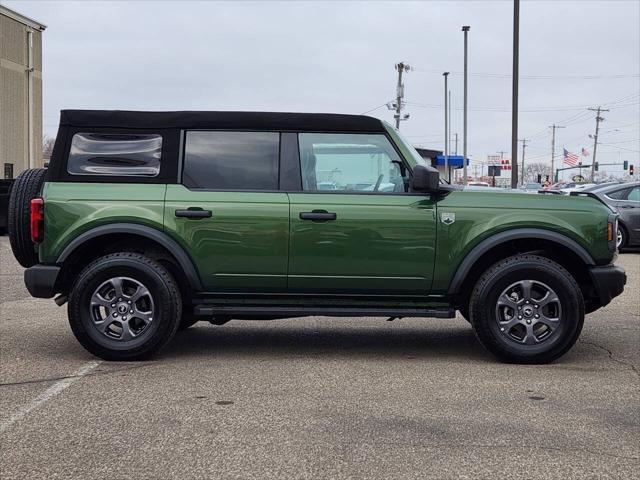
{"type": "Point", "coordinates": [354, 228]}
{"type": "Point", "coordinates": [227, 211]}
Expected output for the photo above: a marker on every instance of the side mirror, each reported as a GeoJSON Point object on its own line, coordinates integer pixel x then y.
{"type": "Point", "coordinates": [425, 179]}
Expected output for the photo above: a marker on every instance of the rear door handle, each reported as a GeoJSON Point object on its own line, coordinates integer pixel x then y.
{"type": "Point", "coordinates": [318, 216]}
{"type": "Point", "coordinates": [194, 212]}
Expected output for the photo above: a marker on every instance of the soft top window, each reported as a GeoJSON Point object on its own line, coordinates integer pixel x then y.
{"type": "Point", "coordinates": [128, 155]}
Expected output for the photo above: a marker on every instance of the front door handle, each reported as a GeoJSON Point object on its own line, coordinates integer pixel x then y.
{"type": "Point", "coordinates": [318, 216]}
{"type": "Point", "coordinates": [194, 212]}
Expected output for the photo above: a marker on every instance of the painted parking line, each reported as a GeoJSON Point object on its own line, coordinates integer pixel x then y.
{"type": "Point", "coordinates": [48, 394]}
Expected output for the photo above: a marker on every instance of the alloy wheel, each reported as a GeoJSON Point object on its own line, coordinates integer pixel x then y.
{"type": "Point", "coordinates": [122, 309]}
{"type": "Point", "coordinates": [528, 312]}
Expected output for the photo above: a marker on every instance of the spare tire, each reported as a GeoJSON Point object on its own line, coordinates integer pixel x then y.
{"type": "Point", "coordinates": [25, 188]}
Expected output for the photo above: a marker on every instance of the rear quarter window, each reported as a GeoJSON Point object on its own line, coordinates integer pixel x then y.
{"type": "Point", "coordinates": [119, 155]}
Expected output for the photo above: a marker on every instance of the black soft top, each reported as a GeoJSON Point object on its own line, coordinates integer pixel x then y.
{"type": "Point", "coordinates": [329, 122]}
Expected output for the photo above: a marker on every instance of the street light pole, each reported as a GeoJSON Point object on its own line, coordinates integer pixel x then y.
{"type": "Point", "coordinates": [465, 29]}
{"type": "Point", "coordinates": [446, 128]}
{"type": "Point", "coordinates": [514, 94]}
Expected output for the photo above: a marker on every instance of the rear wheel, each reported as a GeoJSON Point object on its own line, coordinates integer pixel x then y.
{"type": "Point", "coordinates": [25, 188]}
{"type": "Point", "coordinates": [124, 306]}
{"type": "Point", "coordinates": [527, 309]}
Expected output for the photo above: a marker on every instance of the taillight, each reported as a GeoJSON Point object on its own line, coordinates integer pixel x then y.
{"type": "Point", "coordinates": [37, 220]}
{"type": "Point", "coordinates": [610, 231]}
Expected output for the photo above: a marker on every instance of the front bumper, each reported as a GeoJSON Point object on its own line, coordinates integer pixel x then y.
{"type": "Point", "coordinates": [41, 280]}
{"type": "Point", "coordinates": [608, 281]}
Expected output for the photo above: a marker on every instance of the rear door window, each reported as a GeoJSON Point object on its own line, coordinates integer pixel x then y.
{"type": "Point", "coordinates": [231, 160]}
{"type": "Point", "coordinates": [120, 155]}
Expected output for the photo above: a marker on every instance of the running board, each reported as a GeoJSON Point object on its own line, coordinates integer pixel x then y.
{"type": "Point", "coordinates": [208, 310]}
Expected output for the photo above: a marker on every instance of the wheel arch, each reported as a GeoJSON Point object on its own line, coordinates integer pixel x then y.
{"type": "Point", "coordinates": [106, 238]}
{"type": "Point", "coordinates": [556, 246]}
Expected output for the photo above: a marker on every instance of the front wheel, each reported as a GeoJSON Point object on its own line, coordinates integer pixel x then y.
{"type": "Point", "coordinates": [527, 309]}
{"type": "Point", "coordinates": [124, 306]}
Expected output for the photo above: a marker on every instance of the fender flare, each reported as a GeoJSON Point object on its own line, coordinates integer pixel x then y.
{"type": "Point", "coordinates": [519, 233]}
{"type": "Point", "coordinates": [182, 257]}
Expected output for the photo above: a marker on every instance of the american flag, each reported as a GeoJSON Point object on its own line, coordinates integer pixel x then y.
{"type": "Point", "coordinates": [585, 152]}
{"type": "Point", "coordinates": [570, 159]}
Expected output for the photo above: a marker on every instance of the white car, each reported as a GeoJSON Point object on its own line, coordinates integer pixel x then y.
{"type": "Point", "coordinates": [576, 187]}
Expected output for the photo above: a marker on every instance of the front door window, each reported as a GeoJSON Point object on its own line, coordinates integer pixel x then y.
{"type": "Point", "coordinates": [350, 163]}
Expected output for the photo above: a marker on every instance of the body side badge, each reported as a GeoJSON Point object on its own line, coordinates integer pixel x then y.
{"type": "Point", "coordinates": [447, 218]}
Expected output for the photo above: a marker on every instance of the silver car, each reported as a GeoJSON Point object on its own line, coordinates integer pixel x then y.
{"type": "Point", "coordinates": [624, 198]}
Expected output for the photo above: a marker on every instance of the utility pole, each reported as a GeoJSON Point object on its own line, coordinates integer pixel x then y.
{"type": "Point", "coordinates": [553, 148]}
{"type": "Point", "coordinates": [465, 29]}
{"type": "Point", "coordinates": [446, 128]}
{"type": "Point", "coordinates": [456, 135]}
{"type": "Point", "coordinates": [595, 138]}
{"type": "Point", "coordinates": [501, 152]}
{"type": "Point", "coordinates": [449, 138]}
{"type": "Point", "coordinates": [401, 68]}
{"type": "Point", "coordinates": [524, 145]}
{"type": "Point", "coordinates": [514, 94]}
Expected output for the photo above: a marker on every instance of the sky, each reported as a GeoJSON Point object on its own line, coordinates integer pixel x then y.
{"type": "Point", "coordinates": [339, 57]}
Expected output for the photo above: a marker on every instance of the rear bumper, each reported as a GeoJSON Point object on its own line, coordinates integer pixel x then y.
{"type": "Point", "coordinates": [41, 280]}
{"type": "Point", "coordinates": [608, 281]}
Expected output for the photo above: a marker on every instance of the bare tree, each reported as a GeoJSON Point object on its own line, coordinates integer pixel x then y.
{"type": "Point", "coordinates": [47, 147]}
{"type": "Point", "coordinates": [532, 170]}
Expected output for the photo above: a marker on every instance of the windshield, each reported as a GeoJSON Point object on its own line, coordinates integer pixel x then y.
{"type": "Point", "coordinates": [408, 152]}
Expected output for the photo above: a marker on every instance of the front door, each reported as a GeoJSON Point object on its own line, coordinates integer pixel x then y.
{"type": "Point", "coordinates": [228, 213]}
{"type": "Point", "coordinates": [354, 228]}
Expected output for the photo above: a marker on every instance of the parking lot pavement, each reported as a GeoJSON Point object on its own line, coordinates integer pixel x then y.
{"type": "Point", "coordinates": [316, 398]}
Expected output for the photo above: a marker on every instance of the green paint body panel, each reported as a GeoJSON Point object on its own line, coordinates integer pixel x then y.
{"type": "Point", "coordinates": [377, 244]}
{"type": "Point", "coordinates": [479, 215]}
{"type": "Point", "coordinates": [243, 246]}
{"type": "Point", "coordinates": [73, 208]}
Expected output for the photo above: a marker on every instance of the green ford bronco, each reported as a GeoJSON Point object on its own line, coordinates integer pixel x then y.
{"type": "Point", "coordinates": [147, 222]}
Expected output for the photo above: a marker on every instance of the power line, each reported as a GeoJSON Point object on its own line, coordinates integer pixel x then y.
{"type": "Point", "coordinates": [567, 108]}
{"type": "Point", "coordinates": [374, 109]}
{"type": "Point", "coordinates": [534, 77]}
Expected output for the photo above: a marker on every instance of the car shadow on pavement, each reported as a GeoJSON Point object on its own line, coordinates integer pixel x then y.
{"type": "Point", "coordinates": [249, 339]}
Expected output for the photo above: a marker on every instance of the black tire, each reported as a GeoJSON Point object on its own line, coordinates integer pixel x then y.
{"type": "Point", "coordinates": [187, 320]}
{"type": "Point", "coordinates": [25, 188]}
{"type": "Point", "coordinates": [163, 294]}
{"type": "Point", "coordinates": [465, 314]}
{"type": "Point", "coordinates": [554, 341]}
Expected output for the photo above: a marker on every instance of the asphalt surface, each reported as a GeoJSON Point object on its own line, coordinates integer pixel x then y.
{"type": "Point", "coordinates": [316, 398]}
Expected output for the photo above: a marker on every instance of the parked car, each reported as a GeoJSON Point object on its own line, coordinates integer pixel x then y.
{"type": "Point", "coordinates": [532, 187]}
{"type": "Point", "coordinates": [327, 186]}
{"type": "Point", "coordinates": [576, 187]}
{"type": "Point", "coordinates": [623, 198]}
{"type": "Point", "coordinates": [478, 184]}
{"type": "Point", "coordinates": [146, 222]}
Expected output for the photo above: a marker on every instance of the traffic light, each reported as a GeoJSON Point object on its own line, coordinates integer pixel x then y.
{"type": "Point", "coordinates": [630, 169]}
{"type": "Point", "coordinates": [625, 165]}
{"type": "Point", "coordinates": [595, 167]}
